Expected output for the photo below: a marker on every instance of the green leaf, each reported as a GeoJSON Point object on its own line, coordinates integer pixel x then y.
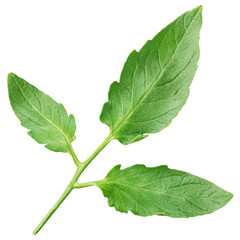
{"type": "Point", "coordinates": [154, 83]}
{"type": "Point", "coordinates": [46, 119]}
{"type": "Point", "coordinates": [161, 191]}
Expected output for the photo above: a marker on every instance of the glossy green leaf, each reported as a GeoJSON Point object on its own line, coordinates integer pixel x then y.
{"type": "Point", "coordinates": [46, 119]}
{"type": "Point", "coordinates": [161, 191]}
{"type": "Point", "coordinates": [154, 83]}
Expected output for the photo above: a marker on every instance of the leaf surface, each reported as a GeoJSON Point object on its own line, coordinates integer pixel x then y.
{"type": "Point", "coordinates": [161, 191]}
{"type": "Point", "coordinates": [46, 119]}
{"type": "Point", "coordinates": [154, 83]}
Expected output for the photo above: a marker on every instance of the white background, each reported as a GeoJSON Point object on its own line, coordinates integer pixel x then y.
{"type": "Point", "coordinates": [73, 50]}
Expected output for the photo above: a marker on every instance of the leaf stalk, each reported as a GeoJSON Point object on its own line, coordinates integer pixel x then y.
{"type": "Point", "coordinates": [83, 185]}
{"type": "Point", "coordinates": [74, 157]}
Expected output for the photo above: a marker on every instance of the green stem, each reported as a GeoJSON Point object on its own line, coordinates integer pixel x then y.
{"type": "Point", "coordinates": [56, 205]}
{"type": "Point", "coordinates": [70, 187]}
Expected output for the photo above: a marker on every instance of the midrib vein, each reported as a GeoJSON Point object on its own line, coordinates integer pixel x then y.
{"type": "Point", "coordinates": [69, 144]}
{"type": "Point", "coordinates": [166, 191]}
{"type": "Point", "coordinates": [154, 83]}
{"type": "Point", "coordinates": [128, 185]}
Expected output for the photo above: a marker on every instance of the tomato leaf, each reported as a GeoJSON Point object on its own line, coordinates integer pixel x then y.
{"type": "Point", "coordinates": [154, 83]}
{"type": "Point", "coordinates": [46, 119]}
{"type": "Point", "coordinates": [161, 191]}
